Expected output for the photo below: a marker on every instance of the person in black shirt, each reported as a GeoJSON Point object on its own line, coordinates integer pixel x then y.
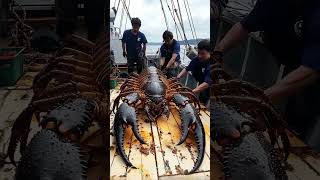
{"type": "Point", "coordinates": [200, 70]}
{"type": "Point", "coordinates": [291, 32]}
{"type": "Point", "coordinates": [67, 12]}
{"type": "Point", "coordinates": [170, 55]}
{"type": "Point", "coordinates": [134, 45]}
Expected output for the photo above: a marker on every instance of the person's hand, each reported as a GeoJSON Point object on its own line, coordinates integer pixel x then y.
{"type": "Point", "coordinates": [124, 54]}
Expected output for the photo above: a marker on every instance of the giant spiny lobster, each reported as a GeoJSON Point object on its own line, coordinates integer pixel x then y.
{"type": "Point", "coordinates": [240, 113]}
{"type": "Point", "coordinates": [71, 107]}
{"type": "Point", "coordinates": [155, 92]}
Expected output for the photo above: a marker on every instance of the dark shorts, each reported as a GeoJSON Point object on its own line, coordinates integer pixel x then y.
{"type": "Point", "coordinates": [133, 62]}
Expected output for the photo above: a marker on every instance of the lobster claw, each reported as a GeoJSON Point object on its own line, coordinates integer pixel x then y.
{"type": "Point", "coordinates": [226, 122]}
{"type": "Point", "coordinates": [188, 122]}
{"type": "Point", "coordinates": [125, 115]}
{"type": "Point", "coordinates": [191, 121]}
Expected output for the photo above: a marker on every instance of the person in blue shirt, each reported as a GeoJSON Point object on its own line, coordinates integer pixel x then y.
{"type": "Point", "coordinates": [200, 70]}
{"type": "Point", "coordinates": [170, 55]}
{"type": "Point", "coordinates": [134, 46]}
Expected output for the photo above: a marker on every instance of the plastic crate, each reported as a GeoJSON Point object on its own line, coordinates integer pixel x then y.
{"type": "Point", "coordinates": [113, 83]}
{"type": "Point", "coordinates": [11, 65]}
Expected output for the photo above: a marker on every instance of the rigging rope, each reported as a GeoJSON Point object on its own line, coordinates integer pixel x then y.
{"type": "Point", "coordinates": [117, 8]}
{"type": "Point", "coordinates": [192, 30]}
{"type": "Point", "coordinates": [182, 28]}
{"type": "Point", "coordinates": [125, 26]}
{"type": "Point", "coordinates": [172, 15]}
{"type": "Point", "coordinates": [164, 14]}
{"type": "Point", "coordinates": [126, 8]}
{"type": "Point", "coordinates": [195, 32]}
{"type": "Point", "coordinates": [180, 14]}
{"type": "Point", "coordinates": [122, 12]}
{"type": "Point", "coordinates": [114, 4]}
{"type": "Point", "coordinates": [176, 27]}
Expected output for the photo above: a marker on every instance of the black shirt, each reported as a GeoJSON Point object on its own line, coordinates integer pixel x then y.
{"type": "Point", "coordinates": [279, 19]}
{"type": "Point", "coordinates": [200, 70]}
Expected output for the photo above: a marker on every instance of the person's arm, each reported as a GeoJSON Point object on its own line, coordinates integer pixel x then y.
{"type": "Point", "coordinates": [183, 73]}
{"type": "Point", "coordinates": [234, 36]}
{"type": "Point", "coordinates": [172, 60]}
{"type": "Point", "coordinates": [162, 60]}
{"type": "Point", "coordinates": [203, 86]}
{"type": "Point", "coordinates": [176, 52]}
{"type": "Point", "coordinates": [162, 57]}
{"type": "Point", "coordinates": [258, 19]}
{"type": "Point", "coordinates": [308, 72]}
{"type": "Point", "coordinates": [207, 82]}
{"type": "Point", "coordinates": [292, 83]}
{"type": "Point", "coordinates": [144, 48]}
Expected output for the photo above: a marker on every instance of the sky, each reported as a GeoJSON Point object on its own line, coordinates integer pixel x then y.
{"type": "Point", "coordinates": [153, 22]}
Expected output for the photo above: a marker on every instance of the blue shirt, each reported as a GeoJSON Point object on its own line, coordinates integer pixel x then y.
{"type": "Point", "coordinates": [133, 42]}
{"type": "Point", "coordinates": [200, 70]}
{"type": "Point", "coordinates": [167, 51]}
{"type": "Point", "coordinates": [278, 19]}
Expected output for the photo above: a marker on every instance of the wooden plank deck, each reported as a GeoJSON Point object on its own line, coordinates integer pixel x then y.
{"type": "Point", "coordinates": [13, 100]}
{"type": "Point", "coordinates": [161, 158]}
{"type": "Point", "coordinates": [303, 162]}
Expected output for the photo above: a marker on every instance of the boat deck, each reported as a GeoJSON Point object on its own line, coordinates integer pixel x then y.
{"type": "Point", "coordinates": [303, 163]}
{"type": "Point", "coordinates": [13, 100]}
{"type": "Point", "coordinates": [160, 158]}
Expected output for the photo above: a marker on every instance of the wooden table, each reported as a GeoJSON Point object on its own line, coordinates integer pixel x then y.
{"type": "Point", "coordinates": [161, 158]}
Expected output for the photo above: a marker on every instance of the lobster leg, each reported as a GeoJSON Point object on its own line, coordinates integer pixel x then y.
{"type": "Point", "coordinates": [131, 97]}
{"type": "Point", "coordinates": [194, 98]}
{"type": "Point", "coordinates": [191, 121]}
{"type": "Point", "coordinates": [125, 115]}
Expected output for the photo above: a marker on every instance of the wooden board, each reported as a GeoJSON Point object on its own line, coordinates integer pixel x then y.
{"type": "Point", "coordinates": [303, 163]}
{"type": "Point", "coordinates": [13, 100]}
{"type": "Point", "coordinates": [161, 158]}
{"type": "Point", "coordinates": [164, 159]}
